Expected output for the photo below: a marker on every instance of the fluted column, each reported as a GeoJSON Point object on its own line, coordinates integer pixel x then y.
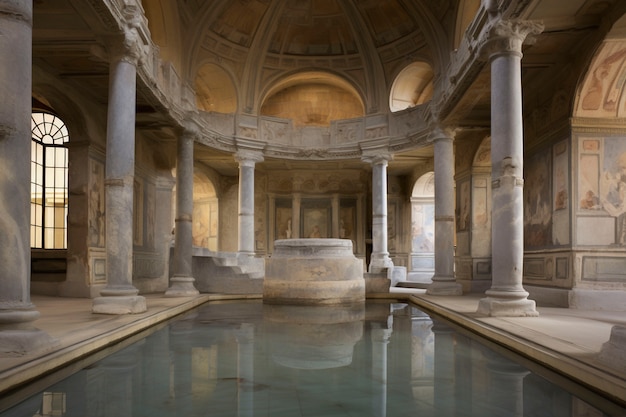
{"type": "Point", "coordinates": [443, 280]}
{"type": "Point", "coordinates": [380, 259]}
{"type": "Point", "coordinates": [247, 161]}
{"type": "Point", "coordinates": [181, 282]}
{"type": "Point", "coordinates": [507, 297]}
{"type": "Point", "coordinates": [17, 313]}
{"type": "Point", "coordinates": [119, 296]}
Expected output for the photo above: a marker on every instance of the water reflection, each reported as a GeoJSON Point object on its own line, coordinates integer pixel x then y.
{"type": "Point", "coordinates": [313, 337]}
{"type": "Point", "coordinates": [250, 359]}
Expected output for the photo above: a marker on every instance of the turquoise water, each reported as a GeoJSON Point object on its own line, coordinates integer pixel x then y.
{"type": "Point", "coordinates": [251, 359]}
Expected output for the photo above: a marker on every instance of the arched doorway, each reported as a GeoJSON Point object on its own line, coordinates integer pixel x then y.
{"type": "Point", "coordinates": [422, 255]}
{"type": "Point", "coordinates": [205, 213]}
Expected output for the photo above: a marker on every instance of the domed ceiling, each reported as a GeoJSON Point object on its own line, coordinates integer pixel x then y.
{"type": "Point", "coordinates": [259, 43]}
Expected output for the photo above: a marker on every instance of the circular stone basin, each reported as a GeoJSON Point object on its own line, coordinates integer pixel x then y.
{"type": "Point", "coordinates": [313, 271]}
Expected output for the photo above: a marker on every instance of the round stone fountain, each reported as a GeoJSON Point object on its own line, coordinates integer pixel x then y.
{"type": "Point", "coordinates": [313, 271]}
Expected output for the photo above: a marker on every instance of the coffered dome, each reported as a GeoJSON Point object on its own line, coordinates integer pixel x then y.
{"type": "Point", "coordinates": [238, 52]}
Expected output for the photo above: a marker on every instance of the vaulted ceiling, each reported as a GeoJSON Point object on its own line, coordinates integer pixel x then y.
{"type": "Point", "coordinates": [237, 55]}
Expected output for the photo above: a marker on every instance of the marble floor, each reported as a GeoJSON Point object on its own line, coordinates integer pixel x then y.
{"type": "Point", "coordinates": [566, 340]}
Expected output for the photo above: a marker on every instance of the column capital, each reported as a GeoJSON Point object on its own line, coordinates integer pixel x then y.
{"type": "Point", "coordinates": [508, 36]}
{"type": "Point", "coordinates": [188, 131]}
{"type": "Point", "coordinates": [248, 158]}
{"type": "Point", "coordinates": [442, 133]}
{"type": "Point", "coordinates": [381, 158]}
{"type": "Point", "coordinates": [127, 46]}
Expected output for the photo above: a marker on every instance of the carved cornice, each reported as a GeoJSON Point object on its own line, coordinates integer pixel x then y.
{"type": "Point", "coordinates": [598, 125]}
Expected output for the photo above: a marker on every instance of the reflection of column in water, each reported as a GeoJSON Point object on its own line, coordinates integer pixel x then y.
{"type": "Point", "coordinates": [444, 400]}
{"type": "Point", "coordinates": [117, 373]}
{"type": "Point", "coordinates": [155, 366]}
{"type": "Point", "coordinates": [380, 334]}
{"type": "Point", "coordinates": [541, 395]}
{"type": "Point", "coordinates": [245, 370]}
{"type": "Point", "coordinates": [464, 377]}
{"type": "Point", "coordinates": [422, 357]}
{"type": "Point", "coordinates": [505, 397]}
{"type": "Point", "coordinates": [180, 366]}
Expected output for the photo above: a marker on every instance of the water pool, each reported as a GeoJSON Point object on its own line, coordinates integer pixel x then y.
{"type": "Point", "coordinates": [253, 359]}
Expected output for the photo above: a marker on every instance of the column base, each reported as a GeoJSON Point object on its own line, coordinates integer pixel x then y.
{"type": "Point", "coordinates": [447, 287]}
{"type": "Point", "coordinates": [613, 352]}
{"type": "Point", "coordinates": [494, 306]}
{"type": "Point", "coordinates": [20, 342]}
{"type": "Point", "coordinates": [182, 287]}
{"type": "Point", "coordinates": [17, 335]}
{"type": "Point", "coordinates": [380, 263]}
{"type": "Point", "coordinates": [124, 304]}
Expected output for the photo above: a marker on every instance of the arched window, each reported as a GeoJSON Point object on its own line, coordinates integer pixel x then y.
{"type": "Point", "coordinates": [48, 183]}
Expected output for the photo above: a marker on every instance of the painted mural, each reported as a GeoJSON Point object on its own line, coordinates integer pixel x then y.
{"type": "Point", "coordinates": [538, 201]}
{"type": "Point", "coordinates": [423, 228]}
{"type": "Point", "coordinates": [613, 184]}
{"type": "Point", "coordinates": [561, 194]}
{"type": "Point", "coordinates": [284, 226]}
{"type": "Point", "coordinates": [601, 95]}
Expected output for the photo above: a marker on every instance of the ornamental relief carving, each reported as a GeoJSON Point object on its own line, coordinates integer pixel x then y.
{"type": "Point", "coordinates": [347, 132]}
{"type": "Point", "coordinates": [331, 182]}
{"type": "Point", "coordinates": [275, 131]}
{"type": "Point", "coordinates": [247, 132]}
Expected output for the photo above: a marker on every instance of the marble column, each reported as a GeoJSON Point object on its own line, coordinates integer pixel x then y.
{"type": "Point", "coordinates": [181, 282]}
{"type": "Point", "coordinates": [119, 296]}
{"type": "Point", "coordinates": [507, 297]}
{"type": "Point", "coordinates": [443, 280]}
{"type": "Point", "coordinates": [247, 160]}
{"type": "Point", "coordinates": [17, 336]}
{"type": "Point", "coordinates": [380, 259]}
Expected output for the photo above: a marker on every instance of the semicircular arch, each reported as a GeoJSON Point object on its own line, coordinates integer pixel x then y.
{"type": "Point", "coordinates": [413, 85]}
{"type": "Point", "coordinates": [215, 89]}
{"type": "Point", "coordinates": [312, 98]}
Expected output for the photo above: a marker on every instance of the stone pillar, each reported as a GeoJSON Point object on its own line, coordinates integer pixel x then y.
{"type": "Point", "coordinates": [507, 297]}
{"type": "Point", "coordinates": [380, 259]}
{"type": "Point", "coordinates": [247, 160]}
{"type": "Point", "coordinates": [295, 215]}
{"type": "Point", "coordinates": [443, 280]}
{"type": "Point", "coordinates": [181, 282]}
{"type": "Point", "coordinates": [119, 296]}
{"type": "Point", "coordinates": [17, 336]}
{"type": "Point", "coordinates": [335, 216]}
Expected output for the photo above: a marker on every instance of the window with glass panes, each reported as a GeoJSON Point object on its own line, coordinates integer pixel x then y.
{"type": "Point", "coordinates": [48, 186]}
